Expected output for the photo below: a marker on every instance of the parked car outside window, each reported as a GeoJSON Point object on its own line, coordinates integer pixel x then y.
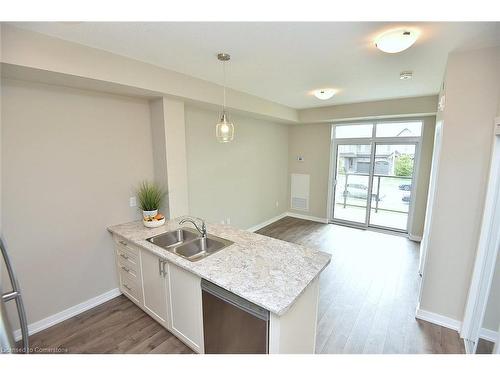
{"type": "Point", "coordinates": [405, 187]}
{"type": "Point", "coordinates": [360, 191]}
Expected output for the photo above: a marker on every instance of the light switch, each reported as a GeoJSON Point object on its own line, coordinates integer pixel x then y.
{"type": "Point", "coordinates": [132, 201]}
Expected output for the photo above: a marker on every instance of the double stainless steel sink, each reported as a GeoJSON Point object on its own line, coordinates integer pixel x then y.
{"type": "Point", "coordinates": [189, 244]}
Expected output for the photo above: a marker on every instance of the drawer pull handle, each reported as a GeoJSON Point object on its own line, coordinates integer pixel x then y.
{"type": "Point", "coordinates": [124, 256]}
{"type": "Point", "coordinates": [125, 269]}
{"type": "Point", "coordinates": [127, 287]}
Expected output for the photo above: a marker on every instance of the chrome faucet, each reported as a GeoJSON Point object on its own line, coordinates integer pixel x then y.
{"type": "Point", "coordinates": [203, 230]}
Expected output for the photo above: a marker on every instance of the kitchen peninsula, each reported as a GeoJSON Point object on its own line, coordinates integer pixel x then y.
{"type": "Point", "coordinates": [277, 278]}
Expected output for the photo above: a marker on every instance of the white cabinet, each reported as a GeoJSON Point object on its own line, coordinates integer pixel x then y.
{"type": "Point", "coordinates": [186, 315]}
{"type": "Point", "coordinates": [168, 293]}
{"type": "Point", "coordinates": [155, 286]}
{"type": "Point", "coordinates": [129, 271]}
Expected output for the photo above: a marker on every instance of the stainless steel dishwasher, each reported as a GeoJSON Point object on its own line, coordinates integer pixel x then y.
{"type": "Point", "coordinates": [231, 324]}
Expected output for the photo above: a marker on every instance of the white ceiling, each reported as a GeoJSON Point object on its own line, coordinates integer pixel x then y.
{"type": "Point", "coordinates": [283, 62]}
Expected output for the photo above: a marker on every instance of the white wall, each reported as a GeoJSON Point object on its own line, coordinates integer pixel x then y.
{"type": "Point", "coordinates": [403, 107]}
{"type": "Point", "coordinates": [312, 142]}
{"type": "Point", "coordinates": [39, 56]}
{"type": "Point", "coordinates": [422, 189]}
{"type": "Point", "coordinates": [472, 85]}
{"type": "Point", "coordinates": [492, 315]}
{"type": "Point", "coordinates": [70, 161]}
{"type": "Point", "coordinates": [169, 153]}
{"type": "Point", "coordinates": [241, 180]}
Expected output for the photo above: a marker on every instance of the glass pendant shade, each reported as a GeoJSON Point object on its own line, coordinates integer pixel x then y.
{"type": "Point", "coordinates": [224, 130]}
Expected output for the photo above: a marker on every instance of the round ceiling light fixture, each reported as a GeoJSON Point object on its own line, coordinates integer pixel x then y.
{"type": "Point", "coordinates": [394, 41]}
{"type": "Point", "coordinates": [324, 94]}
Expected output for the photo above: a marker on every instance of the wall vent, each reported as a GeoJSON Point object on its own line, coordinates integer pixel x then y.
{"type": "Point", "coordinates": [299, 191]}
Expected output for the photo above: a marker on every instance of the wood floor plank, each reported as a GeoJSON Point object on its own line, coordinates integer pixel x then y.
{"type": "Point", "coordinates": [117, 326]}
{"type": "Point", "coordinates": [103, 342]}
{"type": "Point", "coordinates": [134, 338]}
{"type": "Point", "coordinates": [484, 347]}
{"type": "Point", "coordinates": [150, 343]}
{"type": "Point", "coordinates": [369, 292]}
{"type": "Point", "coordinates": [52, 336]}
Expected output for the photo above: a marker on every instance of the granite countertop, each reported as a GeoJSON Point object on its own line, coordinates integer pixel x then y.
{"type": "Point", "coordinates": [268, 272]}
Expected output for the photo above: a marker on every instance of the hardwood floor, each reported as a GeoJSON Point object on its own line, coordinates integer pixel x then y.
{"type": "Point", "coordinates": [368, 293]}
{"type": "Point", "coordinates": [484, 347]}
{"type": "Point", "coordinates": [117, 326]}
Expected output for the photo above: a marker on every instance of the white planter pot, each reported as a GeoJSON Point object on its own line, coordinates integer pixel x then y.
{"type": "Point", "coordinates": [146, 214]}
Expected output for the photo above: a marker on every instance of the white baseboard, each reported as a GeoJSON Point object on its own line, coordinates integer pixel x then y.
{"type": "Point", "coordinates": [414, 238]}
{"type": "Point", "coordinates": [456, 325]}
{"type": "Point", "coordinates": [68, 313]}
{"type": "Point", "coordinates": [267, 222]}
{"type": "Point", "coordinates": [488, 335]}
{"type": "Point", "coordinates": [307, 217]}
{"type": "Point", "coordinates": [440, 320]}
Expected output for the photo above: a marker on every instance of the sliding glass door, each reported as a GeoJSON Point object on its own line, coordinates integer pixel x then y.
{"type": "Point", "coordinates": [374, 177]}
{"type": "Point", "coordinates": [392, 185]}
{"type": "Point", "coordinates": [352, 182]}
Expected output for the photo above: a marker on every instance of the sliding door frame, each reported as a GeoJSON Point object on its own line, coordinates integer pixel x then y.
{"type": "Point", "coordinates": [373, 141]}
{"type": "Point", "coordinates": [413, 182]}
{"type": "Point", "coordinates": [351, 141]}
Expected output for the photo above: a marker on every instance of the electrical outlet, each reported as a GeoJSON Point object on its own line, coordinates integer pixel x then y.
{"type": "Point", "coordinates": [277, 204]}
{"type": "Point", "coordinates": [132, 201]}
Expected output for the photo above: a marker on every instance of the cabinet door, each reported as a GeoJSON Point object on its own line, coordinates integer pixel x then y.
{"type": "Point", "coordinates": [154, 286]}
{"type": "Point", "coordinates": [186, 317]}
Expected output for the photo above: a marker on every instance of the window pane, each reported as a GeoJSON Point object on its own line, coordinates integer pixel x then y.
{"type": "Point", "coordinates": [351, 188]}
{"type": "Point", "coordinates": [399, 129]}
{"type": "Point", "coordinates": [353, 131]}
{"type": "Point", "coordinates": [392, 185]}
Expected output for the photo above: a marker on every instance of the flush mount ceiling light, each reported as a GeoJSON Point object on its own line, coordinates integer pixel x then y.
{"type": "Point", "coordinates": [395, 41]}
{"type": "Point", "coordinates": [406, 75]}
{"type": "Point", "coordinates": [324, 94]}
{"type": "Point", "coordinates": [224, 130]}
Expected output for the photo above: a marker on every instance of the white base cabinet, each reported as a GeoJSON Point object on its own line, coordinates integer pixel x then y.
{"type": "Point", "coordinates": [169, 294]}
{"type": "Point", "coordinates": [155, 287]}
{"type": "Point", "coordinates": [295, 332]}
{"type": "Point", "coordinates": [186, 314]}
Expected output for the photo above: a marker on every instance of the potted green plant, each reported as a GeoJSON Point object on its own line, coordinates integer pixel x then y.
{"type": "Point", "coordinates": [150, 196]}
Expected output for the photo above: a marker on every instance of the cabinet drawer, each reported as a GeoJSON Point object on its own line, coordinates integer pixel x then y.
{"type": "Point", "coordinates": [122, 243]}
{"type": "Point", "coordinates": [129, 269]}
{"type": "Point", "coordinates": [130, 287]}
{"type": "Point", "coordinates": [128, 258]}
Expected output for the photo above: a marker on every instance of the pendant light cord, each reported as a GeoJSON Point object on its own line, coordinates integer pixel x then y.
{"type": "Point", "coordinates": [224, 74]}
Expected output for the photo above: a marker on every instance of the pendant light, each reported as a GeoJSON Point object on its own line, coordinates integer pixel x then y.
{"type": "Point", "coordinates": [224, 130]}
